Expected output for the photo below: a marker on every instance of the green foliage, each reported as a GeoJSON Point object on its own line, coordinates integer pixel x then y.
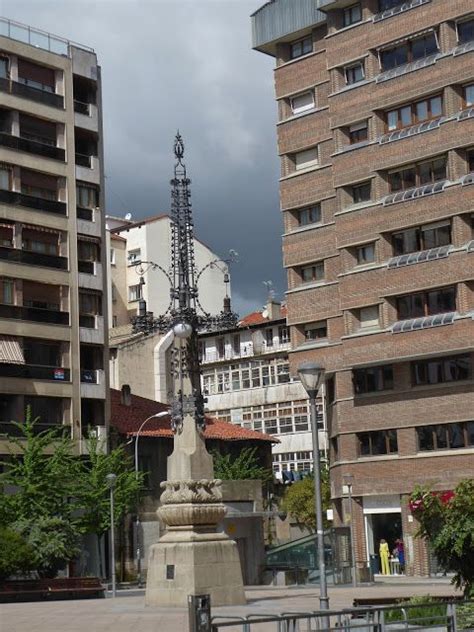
{"type": "Point", "coordinates": [465, 616]}
{"type": "Point", "coordinates": [242, 467]}
{"type": "Point", "coordinates": [446, 521]}
{"type": "Point", "coordinates": [16, 555]}
{"type": "Point", "coordinates": [58, 496]}
{"type": "Point", "coordinates": [298, 500]}
{"type": "Point", "coordinates": [426, 616]}
{"type": "Point", "coordinates": [93, 493]}
{"type": "Point", "coordinates": [53, 541]}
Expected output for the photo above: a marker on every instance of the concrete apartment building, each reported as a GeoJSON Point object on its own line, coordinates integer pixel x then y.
{"type": "Point", "coordinates": [246, 379]}
{"type": "Point", "coordinates": [376, 137]}
{"type": "Point", "coordinates": [53, 318]}
{"type": "Point", "coordinates": [149, 240]}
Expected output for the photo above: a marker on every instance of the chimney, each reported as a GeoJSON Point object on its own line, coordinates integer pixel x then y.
{"type": "Point", "coordinates": [273, 309]}
{"type": "Point", "coordinates": [126, 395]}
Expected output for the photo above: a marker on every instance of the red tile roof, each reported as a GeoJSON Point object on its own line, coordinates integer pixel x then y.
{"type": "Point", "coordinates": [257, 318]}
{"type": "Point", "coordinates": [128, 419]}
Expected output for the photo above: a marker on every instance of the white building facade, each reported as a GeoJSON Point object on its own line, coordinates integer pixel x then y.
{"type": "Point", "coordinates": [149, 240]}
{"type": "Point", "coordinates": [246, 379]}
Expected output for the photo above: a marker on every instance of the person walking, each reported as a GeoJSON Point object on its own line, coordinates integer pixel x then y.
{"type": "Point", "coordinates": [384, 553]}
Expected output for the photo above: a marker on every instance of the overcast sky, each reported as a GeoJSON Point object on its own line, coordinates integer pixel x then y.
{"type": "Point", "coordinates": [187, 64]}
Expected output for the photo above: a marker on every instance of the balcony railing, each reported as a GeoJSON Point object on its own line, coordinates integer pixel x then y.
{"type": "Point", "coordinates": [31, 201]}
{"type": "Point", "coordinates": [7, 428]}
{"type": "Point", "coordinates": [246, 352]}
{"type": "Point", "coordinates": [35, 314]}
{"type": "Point", "coordinates": [35, 372]}
{"type": "Point", "coordinates": [84, 161]}
{"type": "Point", "coordinates": [33, 258]}
{"type": "Point", "coordinates": [90, 376]}
{"type": "Point", "coordinates": [29, 92]}
{"type": "Point", "coordinates": [81, 108]}
{"type": "Point", "coordinates": [87, 320]}
{"type": "Point", "coordinates": [32, 146]}
{"type": "Point", "coordinates": [86, 267]}
{"type": "Point", "coordinates": [85, 213]}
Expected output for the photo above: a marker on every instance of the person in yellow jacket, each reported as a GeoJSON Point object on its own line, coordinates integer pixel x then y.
{"type": "Point", "coordinates": [384, 552]}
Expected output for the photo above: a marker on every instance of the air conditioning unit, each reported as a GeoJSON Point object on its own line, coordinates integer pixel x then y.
{"type": "Point", "coordinates": [99, 432]}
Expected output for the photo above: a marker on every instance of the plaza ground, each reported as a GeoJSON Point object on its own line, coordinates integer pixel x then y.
{"type": "Point", "coordinates": [127, 613]}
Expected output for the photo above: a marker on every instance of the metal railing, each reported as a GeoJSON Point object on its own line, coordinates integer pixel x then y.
{"type": "Point", "coordinates": [85, 213]}
{"type": "Point", "coordinates": [33, 258]}
{"type": "Point", "coordinates": [35, 314]}
{"type": "Point", "coordinates": [32, 146]}
{"type": "Point", "coordinates": [38, 38]}
{"type": "Point", "coordinates": [35, 372]}
{"type": "Point", "coordinates": [32, 201]}
{"type": "Point", "coordinates": [431, 617]}
{"type": "Point", "coordinates": [83, 160]}
{"type": "Point", "coordinates": [30, 92]}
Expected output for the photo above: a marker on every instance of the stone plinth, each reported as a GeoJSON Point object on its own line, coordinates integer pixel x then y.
{"type": "Point", "coordinates": [192, 557]}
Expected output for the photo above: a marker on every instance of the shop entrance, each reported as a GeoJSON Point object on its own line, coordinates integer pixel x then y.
{"type": "Point", "coordinates": [387, 526]}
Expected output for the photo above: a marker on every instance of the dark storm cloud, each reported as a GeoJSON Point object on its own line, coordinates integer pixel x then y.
{"type": "Point", "coordinates": [187, 65]}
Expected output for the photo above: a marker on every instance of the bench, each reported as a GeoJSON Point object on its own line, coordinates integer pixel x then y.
{"type": "Point", "coordinates": [42, 589]}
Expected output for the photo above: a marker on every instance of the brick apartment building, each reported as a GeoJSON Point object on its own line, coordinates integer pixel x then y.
{"type": "Point", "coordinates": [376, 138]}
{"type": "Point", "coordinates": [53, 342]}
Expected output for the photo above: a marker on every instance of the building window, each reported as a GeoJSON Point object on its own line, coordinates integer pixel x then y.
{"type": "Point", "coordinates": [312, 273]}
{"type": "Point", "coordinates": [284, 334]}
{"type": "Point", "coordinates": [5, 174]}
{"type": "Point", "coordinates": [389, 4]}
{"type": "Point", "coordinates": [301, 47]}
{"type": "Point", "coordinates": [112, 256]}
{"type": "Point", "coordinates": [36, 76]}
{"type": "Point", "coordinates": [361, 192]}
{"type": "Point", "coordinates": [39, 185]}
{"type": "Point", "coordinates": [358, 133]}
{"type": "Point", "coordinates": [378, 443]}
{"type": "Point", "coordinates": [236, 343]}
{"type": "Point", "coordinates": [445, 436]}
{"type": "Point", "coordinates": [409, 51]}
{"type": "Point", "coordinates": [114, 321]}
{"type": "Point", "coordinates": [307, 158]}
{"type": "Point", "coordinates": [269, 337]}
{"type": "Point", "coordinates": [469, 95]}
{"type": "Point", "coordinates": [134, 292]}
{"type": "Point", "coordinates": [133, 257]}
{"type": "Point", "coordinates": [466, 31]}
{"type": "Point", "coordinates": [302, 102]}
{"type": "Point", "coordinates": [421, 238]}
{"type": "Point", "coordinates": [418, 175]}
{"type": "Point", "coordinates": [470, 160]}
{"type": "Point", "coordinates": [413, 113]}
{"type": "Point", "coordinates": [309, 215]}
{"type": "Point", "coordinates": [365, 254]}
{"type": "Point", "coordinates": [7, 291]}
{"type": "Point", "coordinates": [369, 317]}
{"type": "Point", "coordinates": [87, 196]}
{"type": "Point", "coordinates": [427, 303]}
{"type": "Point", "coordinates": [372, 379]}
{"type": "Point", "coordinates": [245, 375]}
{"type": "Point", "coordinates": [316, 331]}
{"type": "Point", "coordinates": [352, 15]}
{"type": "Point", "coordinates": [220, 343]}
{"type": "Point", "coordinates": [354, 73]}
{"type": "Point", "coordinates": [441, 370]}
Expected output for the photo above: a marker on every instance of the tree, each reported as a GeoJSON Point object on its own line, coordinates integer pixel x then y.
{"type": "Point", "coordinates": [244, 466]}
{"type": "Point", "coordinates": [299, 501]}
{"type": "Point", "coordinates": [446, 521]}
{"type": "Point", "coordinates": [16, 554]}
{"type": "Point", "coordinates": [43, 474]}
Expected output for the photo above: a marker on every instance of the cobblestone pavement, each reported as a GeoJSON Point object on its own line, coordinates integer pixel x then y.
{"type": "Point", "coordinates": [127, 612]}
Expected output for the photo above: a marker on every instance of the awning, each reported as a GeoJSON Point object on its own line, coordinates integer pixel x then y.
{"type": "Point", "coordinates": [42, 229]}
{"type": "Point", "coordinates": [406, 38]}
{"type": "Point", "coordinates": [11, 351]}
{"type": "Point", "coordinates": [92, 240]}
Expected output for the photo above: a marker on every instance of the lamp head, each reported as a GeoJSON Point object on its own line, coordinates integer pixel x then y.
{"type": "Point", "coordinates": [111, 480]}
{"type": "Point", "coordinates": [312, 376]}
{"type": "Point", "coordinates": [182, 330]}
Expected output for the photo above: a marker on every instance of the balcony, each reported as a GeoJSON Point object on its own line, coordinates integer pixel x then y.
{"type": "Point", "coordinates": [82, 108]}
{"type": "Point", "coordinates": [34, 314]}
{"type": "Point", "coordinates": [32, 146]}
{"type": "Point", "coordinates": [248, 351]}
{"type": "Point", "coordinates": [35, 372]}
{"type": "Point", "coordinates": [33, 258]}
{"type": "Point", "coordinates": [85, 213]}
{"type": "Point", "coordinates": [30, 201]}
{"type": "Point", "coordinates": [33, 94]}
{"type": "Point", "coordinates": [83, 160]}
{"type": "Point", "coordinates": [86, 267]}
{"type": "Point", "coordinates": [87, 321]}
{"type": "Point", "coordinates": [93, 383]}
{"type": "Point", "coordinates": [91, 329]}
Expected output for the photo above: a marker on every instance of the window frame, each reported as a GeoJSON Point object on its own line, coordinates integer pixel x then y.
{"type": "Point", "coordinates": [302, 109]}
{"type": "Point", "coordinates": [434, 432]}
{"type": "Point", "coordinates": [348, 72]}
{"type": "Point", "coordinates": [420, 237]}
{"type": "Point", "coordinates": [464, 21]}
{"type": "Point", "coordinates": [363, 247]}
{"type": "Point", "coordinates": [414, 118]}
{"type": "Point", "coordinates": [380, 375]}
{"type": "Point", "coordinates": [301, 42]}
{"type": "Point", "coordinates": [359, 188]}
{"type": "Point", "coordinates": [309, 210]}
{"type": "Point", "coordinates": [465, 88]}
{"type": "Point", "coordinates": [416, 171]}
{"type": "Point", "coordinates": [421, 368]}
{"type": "Point", "coordinates": [425, 302]}
{"type": "Point", "coordinates": [354, 132]}
{"type": "Point", "coordinates": [388, 436]}
{"type": "Point", "coordinates": [133, 291]}
{"type": "Point", "coordinates": [320, 325]}
{"type": "Point", "coordinates": [317, 265]}
{"type": "Point", "coordinates": [348, 12]}
{"type": "Point", "coordinates": [370, 323]}
{"type": "Point", "coordinates": [408, 44]}
{"type": "Point", "coordinates": [308, 164]}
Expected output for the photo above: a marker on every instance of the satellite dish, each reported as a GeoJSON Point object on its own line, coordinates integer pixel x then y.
{"type": "Point", "coordinates": [128, 217]}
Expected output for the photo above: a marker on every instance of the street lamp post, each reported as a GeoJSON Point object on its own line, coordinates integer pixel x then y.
{"type": "Point", "coordinates": [138, 553]}
{"type": "Point", "coordinates": [312, 376]}
{"type": "Point", "coordinates": [348, 480]}
{"type": "Point", "coordinates": [111, 482]}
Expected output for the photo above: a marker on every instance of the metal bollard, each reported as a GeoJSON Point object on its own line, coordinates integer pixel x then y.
{"type": "Point", "coordinates": [199, 609]}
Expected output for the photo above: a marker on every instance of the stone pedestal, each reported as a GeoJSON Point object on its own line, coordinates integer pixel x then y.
{"type": "Point", "coordinates": [192, 558]}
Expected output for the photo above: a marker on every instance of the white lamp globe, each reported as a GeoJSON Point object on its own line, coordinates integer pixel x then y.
{"type": "Point", "coordinates": [182, 330]}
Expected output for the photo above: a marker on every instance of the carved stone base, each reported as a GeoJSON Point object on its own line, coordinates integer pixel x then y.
{"type": "Point", "coordinates": [194, 563]}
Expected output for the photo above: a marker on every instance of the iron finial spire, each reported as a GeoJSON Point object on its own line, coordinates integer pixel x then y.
{"type": "Point", "coordinates": [178, 147]}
